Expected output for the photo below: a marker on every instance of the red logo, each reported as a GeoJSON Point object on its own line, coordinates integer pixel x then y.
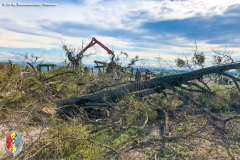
{"type": "Point", "coordinates": [13, 143]}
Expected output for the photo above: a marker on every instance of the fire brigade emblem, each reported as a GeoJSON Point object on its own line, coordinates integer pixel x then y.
{"type": "Point", "coordinates": [13, 143]}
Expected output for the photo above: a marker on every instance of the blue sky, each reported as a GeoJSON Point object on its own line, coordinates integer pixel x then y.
{"type": "Point", "coordinates": [148, 28]}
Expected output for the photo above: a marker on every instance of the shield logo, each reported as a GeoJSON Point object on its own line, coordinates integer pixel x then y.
{"type": "Point", "coordinates": [13, 143]}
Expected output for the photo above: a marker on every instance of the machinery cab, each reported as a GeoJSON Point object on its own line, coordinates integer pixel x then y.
{"type": "Point", "coordinates": [45, 67]}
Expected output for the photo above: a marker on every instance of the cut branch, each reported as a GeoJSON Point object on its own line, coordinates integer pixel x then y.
{"type": "Point", "coordinates": [233, 78]}
{"type": "Point", "coordinates": [60, 75]}
{"type": "Point", "coordinates": [198, 86]}
{"type": "Point", "coordinates": [32, 67]}
{"type": "Point", "coordinates": [221, 119]}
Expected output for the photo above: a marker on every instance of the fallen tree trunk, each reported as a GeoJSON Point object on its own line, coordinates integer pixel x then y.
{"type": "Point", "coordinates": [100, 104]}
{"type": "Point", "coordinates": [165, 82]}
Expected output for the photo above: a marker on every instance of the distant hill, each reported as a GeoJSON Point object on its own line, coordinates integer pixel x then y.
{"type": "Point", "coordinates": [152, 69]}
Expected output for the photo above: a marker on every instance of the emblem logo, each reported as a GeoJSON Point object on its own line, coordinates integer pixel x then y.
{"type": "Point", "coordinates": [13, 143]}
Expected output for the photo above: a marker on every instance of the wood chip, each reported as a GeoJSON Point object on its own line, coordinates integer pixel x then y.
{"type": "Point", "coordinates": [48, 110]}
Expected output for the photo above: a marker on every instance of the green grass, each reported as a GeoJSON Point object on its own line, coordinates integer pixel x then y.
{"type": "Point", "coordinates": [216, 86]}
{"type": "Point", "coordinates": [113, 138]}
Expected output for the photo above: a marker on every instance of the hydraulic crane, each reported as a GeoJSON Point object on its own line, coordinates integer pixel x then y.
{"type": "Point", "coordinates": [112, 64]}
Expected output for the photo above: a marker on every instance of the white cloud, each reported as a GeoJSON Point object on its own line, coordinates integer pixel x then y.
{"type": "Point", "coordinates": [115, 42]}
{"type": "Point", "coordinates": [6, 56]}
{"type": "Point", "coordinates": [152, 50]}
{"type": "Point", "coordinates": [20, 40]}
{"type": "Point", "coordinates": [90, 2]}
{"type": "Point", "coordinates": [19, 58]}
{"type": "Point", "coordinates": [110, 15]}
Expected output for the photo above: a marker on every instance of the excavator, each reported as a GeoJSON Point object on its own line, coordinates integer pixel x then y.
{"type": "Point", "coordinates": [75, 60]}
{"type": "Point", "coordinates": [112, 64]}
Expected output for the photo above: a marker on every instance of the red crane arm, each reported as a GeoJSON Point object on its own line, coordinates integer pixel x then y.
{"type": "Point", "coordinates": [93, 42]}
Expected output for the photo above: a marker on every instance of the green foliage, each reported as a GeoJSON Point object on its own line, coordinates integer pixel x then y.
{"type": "Point", "coordinates": [124, 53]}
{"type": "Point", "coordinates": [161, 74]}
{"type": "Point", "coordinates": [198, 59]}
{"type": "Point", "coordinates": [94, 83]}
{"type": "Point", "coordinates": [180, 62]}
{"type": "Point", "coordinates": [86, 70]}
{"type": "Point", "coordinates": [132, 132]}
{"type": "Point", "coordinates": [19, 90]}
{"type": "Point", "coordinates": [108, 70]}
{"type": "Point", "coordinates": [221, 101]}
{"type": "Point", "coordinates": [7, 73]}
{"type": "Point", "coordinates": [133, 61]}
{"type": "Point", "coordinates": [179, 129]}
{"type": "Point", "coordinates": [217, 59]}
{"type": "Point", "coordinates": [117, 59]}
{"type": "Point", "coordinates": [69, 54]}
{"type": "Point", "coordinates": [134, 110]}
{"type": "Point", "coordinates": [166, 103]}
{"type": "Point", "coordinates": [70, 139]}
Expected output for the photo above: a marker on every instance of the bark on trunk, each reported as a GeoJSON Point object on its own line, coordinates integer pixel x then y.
{"type": "Point", "coordinates": [167, 81]}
